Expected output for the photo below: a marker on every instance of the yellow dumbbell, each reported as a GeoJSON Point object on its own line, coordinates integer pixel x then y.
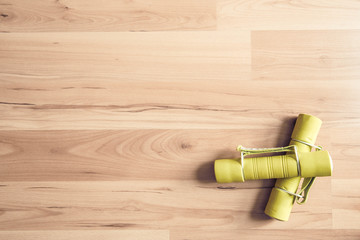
{"type": "Point", "coordinates": [305, 164]}
{"type": "Point", "coordinates": [285, 191]}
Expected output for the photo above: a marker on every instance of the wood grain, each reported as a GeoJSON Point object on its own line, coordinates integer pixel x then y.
{"type": "Point", "coordinates": [345, 210]}
{"type": "Point", "coordinates": [123, 15]}
{"type": "Point", "coordinates": [287, 15]}
{"type": "Point", "coordinates": [176, 234]}
{"type": "Point", "coordinates": [112, 113]}
{"type": "Point", "coordinates": [87, 104]}
{"type": "Point", "coordinates": [344, 146]}
{"type": "Point", "coordinates": [272, 234]}
{"type": "Point", "coordinates": [306, 55]}
{"type": "Point", "coordinates": [91, 235]}
{"type": "Point", "coordinates": [136, 204]}
{"type": "Point", "coordinates": [162, 56]}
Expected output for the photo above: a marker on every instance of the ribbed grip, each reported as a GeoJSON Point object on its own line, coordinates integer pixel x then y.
{"type": "Point", "coordinates": [283, 166]}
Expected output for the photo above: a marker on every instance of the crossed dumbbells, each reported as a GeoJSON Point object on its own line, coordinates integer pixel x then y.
{"type": "Point", "coordinates": [298, 162]}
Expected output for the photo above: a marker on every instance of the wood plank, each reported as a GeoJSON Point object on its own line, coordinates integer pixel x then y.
{"type": "Point", "coordinates": [172, 205]}
{"type": "Point", "coordinates": [79, 103]}
{"type": "Point", "coordinates": [142, 154]}
{"type": "Point", "coordinates": [346, 203]}
{"type": "Point", "coordinates": [85, 16]}
{"type": "Point", "coordinates": [306, 55]}
{"type": "Point", "coordinates": [233, 15]}
{"type": "Point", "coordinates": [346, 218]}
{"type": "Point", "coordinates": [88, 234]}
{"type": "Point", "coordinates": [271, 234]}
{"type": "Point", "coordinates": [343, 145]}
{"type": "Point", "coordinates": [155, 56]}
{"type": "Point", "coordinates": [178, 234]}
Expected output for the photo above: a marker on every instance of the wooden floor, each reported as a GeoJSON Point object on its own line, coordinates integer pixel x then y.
{"type": "Point", "coordinates": [112, 113]}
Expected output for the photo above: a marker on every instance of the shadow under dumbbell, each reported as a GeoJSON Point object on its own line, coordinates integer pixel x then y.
{"type": "Point", "coordinates": [257, 211]}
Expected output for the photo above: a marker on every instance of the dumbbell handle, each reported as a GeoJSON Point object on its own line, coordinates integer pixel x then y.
{"type": "Point", "coordinates": [282, 166]}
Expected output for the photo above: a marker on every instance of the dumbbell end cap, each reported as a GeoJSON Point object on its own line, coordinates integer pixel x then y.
{"type": "Point", "coordinates": [228, 170]}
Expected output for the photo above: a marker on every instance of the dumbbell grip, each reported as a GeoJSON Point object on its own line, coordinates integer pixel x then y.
{"type": "Point", "coordinates": [283, 166]}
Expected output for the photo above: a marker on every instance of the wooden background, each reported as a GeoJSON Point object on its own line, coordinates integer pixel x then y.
{"type": "Point", "coordinates": [112, 113]}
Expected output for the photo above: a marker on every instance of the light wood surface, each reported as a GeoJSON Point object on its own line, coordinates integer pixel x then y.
{"type": "Point", "coordinates": [112, 113]}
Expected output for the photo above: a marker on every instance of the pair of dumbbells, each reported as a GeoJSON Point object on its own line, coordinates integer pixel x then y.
{"type": "Point", "coordinates": [297, 162]}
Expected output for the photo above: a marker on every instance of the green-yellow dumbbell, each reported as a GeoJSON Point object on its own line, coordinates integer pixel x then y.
{"type": "Point", "coordinates": [283, 195]}
{"type": "Point", "coordinates": [307, 164]}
